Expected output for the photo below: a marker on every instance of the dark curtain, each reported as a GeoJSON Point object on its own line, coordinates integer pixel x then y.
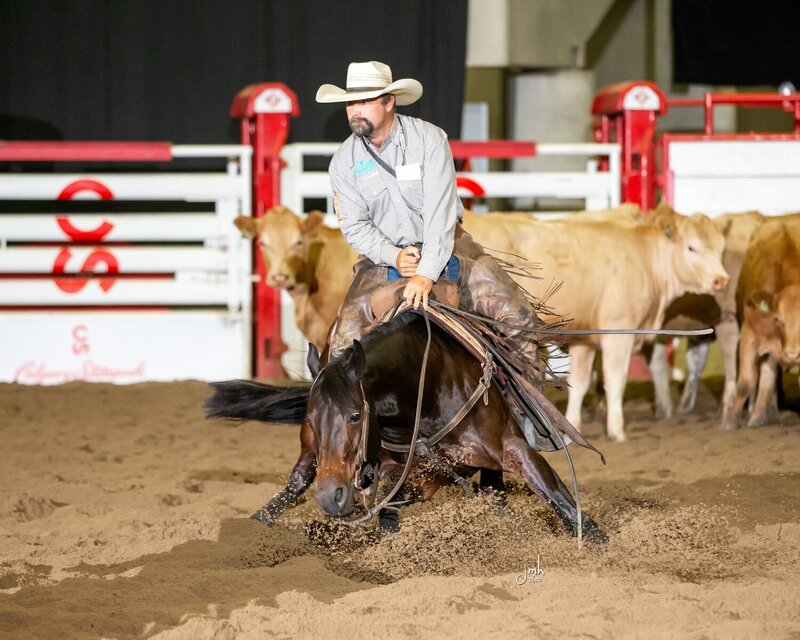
{"type": "Point", "coordinates": [736, 42]}
{"type": "Point", "coordinates": [168, 69]}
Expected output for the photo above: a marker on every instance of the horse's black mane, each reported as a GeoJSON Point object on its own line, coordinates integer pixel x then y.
{"type": "Point", "coordinates": [383, 330]}
{"type": "Point", "coordinates": [335, 366]}
{"type": "Point", "coordinates": [398, 322]}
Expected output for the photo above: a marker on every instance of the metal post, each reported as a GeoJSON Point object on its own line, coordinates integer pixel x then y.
{"type": "Point", "coordinates": [265, 111]}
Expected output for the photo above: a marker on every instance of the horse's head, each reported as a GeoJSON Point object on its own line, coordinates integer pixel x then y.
{"type": "Point", "coordinates": [338, 413]}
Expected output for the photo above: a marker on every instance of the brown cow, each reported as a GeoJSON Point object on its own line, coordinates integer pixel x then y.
{"type": "Point", "coordinates": [693, 311]}
{"type": "Point", "coordinates": [312, 262]}
{"type": "Point", "coordinates": [768, 300]}
{"type": "Point", "coordinates": [618, 276]}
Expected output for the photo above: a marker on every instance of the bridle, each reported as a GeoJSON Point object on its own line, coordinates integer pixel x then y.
{"type": "Point", "coordinates": [421, 447]}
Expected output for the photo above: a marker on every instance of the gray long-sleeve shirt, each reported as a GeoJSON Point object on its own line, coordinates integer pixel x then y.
{"type": "Point", "coordinates": [380, 214]}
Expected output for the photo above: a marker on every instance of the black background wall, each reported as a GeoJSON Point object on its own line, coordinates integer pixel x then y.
{"type": "Point", "coordinates": [736, 42]}
{"type": "Point", "coordinates": [169, 69]}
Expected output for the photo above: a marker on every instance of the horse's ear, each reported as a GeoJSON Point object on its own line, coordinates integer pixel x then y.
{"type": "Point", "coordinates": [313, 360]}
{"type": "Point", "coordinates": [356, 361]}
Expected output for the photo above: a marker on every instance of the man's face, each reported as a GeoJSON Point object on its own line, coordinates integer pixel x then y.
{"type": "Point", "coordinates": [367, 116]}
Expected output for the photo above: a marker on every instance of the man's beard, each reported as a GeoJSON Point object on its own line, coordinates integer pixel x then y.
{"type": "Point", "coordinates": [361, 126]}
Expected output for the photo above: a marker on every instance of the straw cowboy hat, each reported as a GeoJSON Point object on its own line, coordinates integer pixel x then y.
{"type": "Point", "coordinates": [366, 80]}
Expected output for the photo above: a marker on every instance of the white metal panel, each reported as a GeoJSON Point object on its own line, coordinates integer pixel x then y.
{"type": "Point", "coordinates": [192, 187]}
{"type": "Point", "coordinates": [145, 259]}
{"type": "Point", "coordinates": [599, 189]}
{"type": "Point", "coordinates": [293, 359]}
{"type": "Point", "coordinates": [735, 158]}
{"type": "Point", "coordinates": [129, 227]}
{"type": "Point", "coordinates": [122, 347]}
{"type": "Point", "coordinates": [497, 184]}
{"type": "Point", "coordinates": [717, 195]}
{"type": "Point", "coordinates": [123, 291]}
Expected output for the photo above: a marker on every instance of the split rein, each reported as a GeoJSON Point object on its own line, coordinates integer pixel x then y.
{"type": "Point", "coordinates": [421, 447]}
{"type": "Point", "coordinates": [387, 501]}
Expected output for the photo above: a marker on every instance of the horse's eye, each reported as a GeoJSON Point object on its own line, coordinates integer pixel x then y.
{"type": "Point", "coordinates": [355, 416]}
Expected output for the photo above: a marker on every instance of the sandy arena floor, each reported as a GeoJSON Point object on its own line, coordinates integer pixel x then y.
{"type": "Point", "coordinates": [123, 514]}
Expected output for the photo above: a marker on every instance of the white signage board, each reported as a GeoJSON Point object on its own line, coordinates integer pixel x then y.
{"type": "Point", "coordinates": [122, 347]}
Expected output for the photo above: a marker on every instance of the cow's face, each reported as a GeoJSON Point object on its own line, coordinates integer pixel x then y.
{"type": "Point", "coordinates": [775, 319]}
{"type": "Point", "coordinates": [696, 252]}
{"type": "Point", "coordinates": [787, 322]}
{"type": "Point", "coordinates": [282, 236]}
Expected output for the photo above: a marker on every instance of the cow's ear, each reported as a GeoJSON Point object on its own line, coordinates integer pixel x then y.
{"type": "Point", "coordinates": [313, 360]}
{"type": "Point", "coordinates": [355, 361]}
{"type": "Point", "coordinates": [666, 220]}
{"type": "Point", "coordinates": [663, 208]}
{"type": "Point", "coordinates": [313, 222]}
{"type": "Point", "coordinates": [724, 224]}
{"type": "Point", "coordinates": [247, 225]}
{"type": "Point", "coordinates": [762, 301]}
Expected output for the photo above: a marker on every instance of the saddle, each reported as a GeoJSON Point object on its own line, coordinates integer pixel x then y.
{"type": "Point", "coordinates": [545, 428]}
{"type": "Point", "coordinates": [388, 296]}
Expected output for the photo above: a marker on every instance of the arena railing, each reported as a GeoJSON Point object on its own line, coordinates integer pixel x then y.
{"type": "Point", "coordinates": [97, 291]}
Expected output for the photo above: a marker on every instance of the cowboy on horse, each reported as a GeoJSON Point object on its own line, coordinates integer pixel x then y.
{"type": "Point", "coordinates": [395, 197]}
{"type": "Point", "coordinates": [477, 403]}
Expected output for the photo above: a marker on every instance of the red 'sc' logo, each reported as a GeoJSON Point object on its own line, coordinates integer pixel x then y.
{"type": "Point", "coordinates": [81, 338]}
{"type": "Point", "coordinates": [79, 186]}
{"type": "Point", "coordinates": [73, 285]}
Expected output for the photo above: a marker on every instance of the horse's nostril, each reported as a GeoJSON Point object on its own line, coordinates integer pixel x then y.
{"type": "Point", "coordinates": [338, 497]}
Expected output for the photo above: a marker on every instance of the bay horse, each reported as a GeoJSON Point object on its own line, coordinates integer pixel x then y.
{"type": "Point", "coordinates": [362, 405]}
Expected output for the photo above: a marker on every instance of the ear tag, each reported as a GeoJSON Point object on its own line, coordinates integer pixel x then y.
{"type": "Point", "coordinates": [763, 306]}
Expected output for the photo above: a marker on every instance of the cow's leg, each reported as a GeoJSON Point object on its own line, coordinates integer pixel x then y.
{"type": "Point", "coordinates": [696, 357]}
{"type": "Point", "coordinates": [727, 333]}
{"type": "Point", "coordinates": [748, 377]}
{"type": "Point", "coordinates": [520, 459]}
{"type": "Point", "coordinates": [581, 357]}
{"type": "Point", "coordinates": [617, 350]}
{"type": "Point", "coordinates": [303, 474]}
{"type": "Point", "coordinates": [661, 374]}
{"type": "Point", "coordinates": [764, 409]}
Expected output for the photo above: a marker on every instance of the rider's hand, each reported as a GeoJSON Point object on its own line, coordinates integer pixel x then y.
{"type": "Point", "coordinates": [407, 261]}
{"type": "Point", "coordinates": [417, 290]}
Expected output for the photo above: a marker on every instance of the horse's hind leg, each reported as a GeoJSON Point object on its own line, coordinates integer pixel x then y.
{"type": "Point", "coordinates": [300, 479]}
{"type": "Point", "coordinates": [519, 458]}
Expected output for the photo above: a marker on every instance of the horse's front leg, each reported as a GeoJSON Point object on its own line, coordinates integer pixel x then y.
{"type": "Point", "coordinates": [519, 458]}
{"type": "Point", "coordinates": [300, 479]}
{"type": "Point", "coordinates": [418, 487]}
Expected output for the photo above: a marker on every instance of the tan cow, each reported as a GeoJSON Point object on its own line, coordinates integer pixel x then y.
{"type": "Point", "coordinates": [768, 300]}
{"type": "Point", "coordinates": [618, 276]}
{"type": "Point", "coordinates": [312, 262]}
{"type": "Point", "coordinates": [693, 311]}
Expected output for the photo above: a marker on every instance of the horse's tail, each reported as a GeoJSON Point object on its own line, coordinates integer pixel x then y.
{"type": "Point", "coordinates": [247, 400]}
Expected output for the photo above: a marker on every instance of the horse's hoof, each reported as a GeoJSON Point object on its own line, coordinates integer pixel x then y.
{"type": "Point", "coordinates": [389, 522]}
{"type": "Point", "coordinates": [263, 517]}
{"type": "Point", "coordinates": [594, 534]}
